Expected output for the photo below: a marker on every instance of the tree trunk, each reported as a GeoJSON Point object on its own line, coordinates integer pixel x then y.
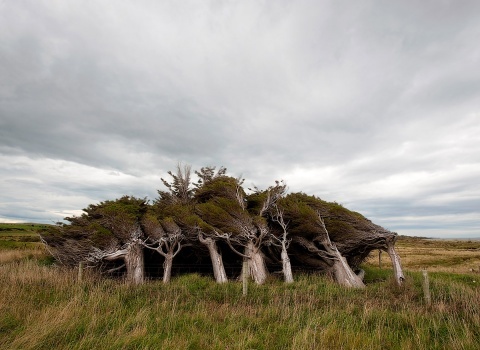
{"type": "Point", "coordinates": [332, 261]}
{"type": "Point", "coordinates": [134, 263]}
{"type": "Point", "coordinates": [256, 263]}
{"type": "Point", "coordinates": [342, 272]}
{"type": "Point", "coordinates": [286, 266]}
{"type": "Point", "coordinates": [167, 267]}
{"type": "Point", "coordinates": [217, 261]}
{"type": "Point", "coordinates": [397, 265]}
{"type": "Point", "coordinates": [361, 274]}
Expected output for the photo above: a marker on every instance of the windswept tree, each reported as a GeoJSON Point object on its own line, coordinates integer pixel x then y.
{"type": "Point", "coordinates": [354, 235]}
{"type": "Point", "coordinates": [107, 231]}
{"type": "Point", "coordinates": [223, 206]}
{"type": "Point", "coordinates": [166, 238]}
{"type": "Point", "coordinates": [282, 239]}
{"type": "Point", "coordinates": [70, 244]}
{"type": "Point", "coordinates": [267, 226]}
{"type": "Point", "coordinates": [206, 233]}
{"type": "Point", "coordinates": [179, 205]}
{"type": "Point", "coordinates": [312, 245]}
{"type": "Point", "coordinates": [264, 204]}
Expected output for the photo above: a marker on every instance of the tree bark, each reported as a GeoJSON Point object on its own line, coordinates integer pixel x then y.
{"type": "Point", "coordinates": [167, 267]}
{"type": "Point", "coordinates": [217, 261]}
{"type": "Point", "coordinates": [343, 273]}
{"type": "Point", "coordinates": [286, 265]}
{"type": "Point", "coordinates": [397, 265]}
{"type": "Point", "coordinates": [332, 261]}
{"type": "Point", "coordinates": [361, 274]}
{"type": "Point", "coordinates": [134, 262]}
{"type": "Point", "coordinates": [256, 263]}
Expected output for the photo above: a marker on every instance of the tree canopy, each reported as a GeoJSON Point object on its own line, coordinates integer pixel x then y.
{"type": "Point", "coordinates": [215, 218]}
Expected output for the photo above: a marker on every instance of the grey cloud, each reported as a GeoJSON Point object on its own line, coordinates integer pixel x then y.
{"type": "Point", "coordinates": [349, 95]}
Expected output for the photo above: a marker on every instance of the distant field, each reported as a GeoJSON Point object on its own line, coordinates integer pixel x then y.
{"type": "Point", "coordinates": [20, 235]}
{"type": "Point", "coordinates": [12, 230]}
{"type": "Point", "coordinates": [453, 256]}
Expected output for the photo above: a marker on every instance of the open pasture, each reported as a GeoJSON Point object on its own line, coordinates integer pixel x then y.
{"type": "Point", "coordinates": [434, 255]}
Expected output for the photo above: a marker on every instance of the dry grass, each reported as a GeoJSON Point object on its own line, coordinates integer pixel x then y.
{"type": "Point", "coordinates": [44, 307]}
{"type": "Point", "coordinates": [7, 256]}
{"type": "Point", "coordinates": [435, 255]}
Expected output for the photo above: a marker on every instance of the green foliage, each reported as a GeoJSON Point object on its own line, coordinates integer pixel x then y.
{"type": "Point", "coordinates": [106, 224]}
{"type": "Point", "coordinates": [220, 186]}
{"type": "Point", "coordinates": [302, 218]}
{"type": "Point", "coordinates": [100, 235]}
{"type": "Point", "coordinates": [342, 224]}
{"type": "Point", "coordinates": [255, 202]}
{"type": "Point", "coordinates": [220, 204]}
{"type": "Point", "coordinates": [127, 208]}
{"type": "Point", "coordinates": [207, 174]}
{"type": "Point", "coordinates": [46, 261]}
{"type": "Point", "coordinates": [217, 216]}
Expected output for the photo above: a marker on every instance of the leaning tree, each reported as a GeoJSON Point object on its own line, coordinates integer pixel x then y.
{"type": "Point", "coordinates": [311, 244]}
{"type": "Point", "coordinates": [105, 232]}
{"type": "Point", "coordinates": [165, 237]}
{"type": "Point", "coordinates": [223, 205]}
{"type": "Point", "coordinates": [354, 235]}
{"type": "Point", "coordinates": [264, 203]}
{"type": "Point", "coordinates": [178, 204]}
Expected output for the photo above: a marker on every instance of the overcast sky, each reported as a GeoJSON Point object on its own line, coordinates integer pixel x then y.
{"type": "Point", "coordinates": [373, 104]}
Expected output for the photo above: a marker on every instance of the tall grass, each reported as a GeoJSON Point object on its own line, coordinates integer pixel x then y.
{"type": "Point", "coordinates": [44, 307]}
{"type": "Point", "coordinates": [10, 255]}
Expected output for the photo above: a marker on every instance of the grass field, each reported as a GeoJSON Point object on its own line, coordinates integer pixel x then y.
{"type": "Point", "coordinates": [20, 229]}
{"type": "Point", "coordinates": [43, 306]}
{"type": "Point", "coordinates": [456, 256]}
{"type": "Point", "coordinates": [19, 235]}
{"type": "Point", "coordinates": [19, 241]}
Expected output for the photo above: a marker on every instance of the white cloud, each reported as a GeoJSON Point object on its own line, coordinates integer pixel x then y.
{"type": "Point", "coordinates": [47, 190]}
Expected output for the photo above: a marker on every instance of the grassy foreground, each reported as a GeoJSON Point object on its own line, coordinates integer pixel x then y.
{"type": "Point", "coordinates": [43, 306]}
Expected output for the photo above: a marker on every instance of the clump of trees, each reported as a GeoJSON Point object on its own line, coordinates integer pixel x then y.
{"type": "Point", "coordinates": [214, 221]}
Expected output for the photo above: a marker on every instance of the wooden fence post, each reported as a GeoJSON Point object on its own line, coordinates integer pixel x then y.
{"type": "Point", "coordinates": [379, 258]}
{"type": "Point", "coordinates": [80, 272]}
{"type": "Point", "coordinates": [426, 288]}
{"type": "Point", "coordinates": [245, 276]}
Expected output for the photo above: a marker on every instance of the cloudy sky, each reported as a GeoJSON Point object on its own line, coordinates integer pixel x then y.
{"type": "Point", "coordinates": [373, 104]}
